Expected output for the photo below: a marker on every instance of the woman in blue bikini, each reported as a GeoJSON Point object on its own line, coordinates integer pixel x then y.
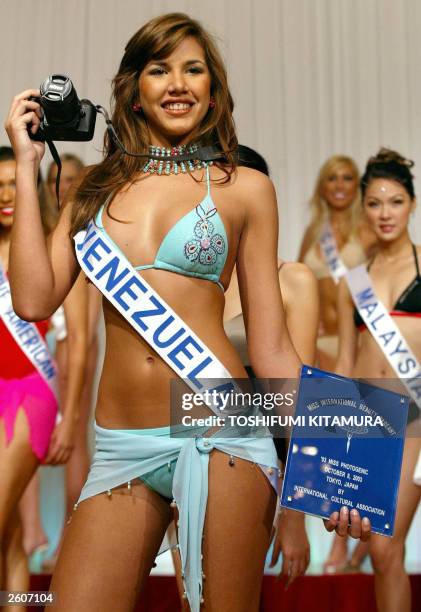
{"type": "Point", "coordinates": [170, 91]}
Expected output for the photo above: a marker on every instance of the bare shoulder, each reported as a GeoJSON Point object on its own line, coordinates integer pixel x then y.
{"type": "Point", "coordinates": [251, 186]}
{"type": "Point", "coordinates": [298, 277]}
{"type": "Point", "coordinates": [248, 178]}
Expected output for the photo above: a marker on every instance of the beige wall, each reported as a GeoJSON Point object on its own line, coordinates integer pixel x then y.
{"type": "Point", "coordinates": [310, 77]}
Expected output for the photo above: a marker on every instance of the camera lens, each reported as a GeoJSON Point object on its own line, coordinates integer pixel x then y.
{"type": "Point", "coordinates": [59, 100]}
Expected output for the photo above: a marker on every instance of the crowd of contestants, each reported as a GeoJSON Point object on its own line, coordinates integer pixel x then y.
{"type": "Point", "coordinates": [171, 90]}
{"type": "Point", "coordinates": [370, 222]}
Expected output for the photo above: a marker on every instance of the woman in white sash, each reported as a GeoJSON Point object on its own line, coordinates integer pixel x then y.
{"type": "Point", "coordinates": [28, 407]}
{"type": "Point", "coordinates": [170, 92]}
{"type": "Point", "coordinates": [335, 201]}
{"type": "Point", "coordinates": [300, 301]}
{"type": "Point", "coordinates": [388, 202]}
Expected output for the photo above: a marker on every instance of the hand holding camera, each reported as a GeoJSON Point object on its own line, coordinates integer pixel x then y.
{"type": "Point", "coordinates": [65, 117]}
{"type": "Point", "coordinates": [23, 121]}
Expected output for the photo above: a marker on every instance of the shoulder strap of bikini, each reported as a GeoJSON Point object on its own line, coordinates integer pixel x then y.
{"type": "Point", "coordinates": [414, 250]}
{"type": "Point", "coordinates": [208, 183]}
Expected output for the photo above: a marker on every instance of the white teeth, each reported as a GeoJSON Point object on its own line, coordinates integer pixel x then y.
{"type": "Point", "coordinates": [7, 210]}
{"type": "Point", "coordinates": [177, 106]}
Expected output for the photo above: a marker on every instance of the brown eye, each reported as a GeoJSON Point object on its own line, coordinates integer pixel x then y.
{"type": "Point", "coordinates": [157, 71]}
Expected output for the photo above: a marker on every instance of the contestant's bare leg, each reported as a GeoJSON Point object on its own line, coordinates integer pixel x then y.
{"type": "Point", "coordinates": [393, 592]}
{"type": "Point", "coordinates": [29, 506]}
{"type": "Point", "coordinates": [18, 464]}
{"type": "Point", "coordinates": [241, 506]}
{"type": "Point", "coordinates": [108, 550]}
{"type": "Point", "coordinates": [358, 555]}
{"type": "Point", "coordinates": [15, 560]}
{"type": "Point", "coordinates": [338, 555]}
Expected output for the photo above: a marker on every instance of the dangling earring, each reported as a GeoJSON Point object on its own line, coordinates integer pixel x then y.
{"type": "Point", "coordinates": [212, 102]}
{"type": "Point", "coordinates": [136, 107]}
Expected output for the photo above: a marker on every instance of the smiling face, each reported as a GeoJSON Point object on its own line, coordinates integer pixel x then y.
{"type": "Point", "coordinates": [340, 187]}
{"type": "Point", "coordinates": [387, 206]}
{"type": "Point", "coordinates": [7, 192]}
{"type": "Point", "coordinates": [174, 94]}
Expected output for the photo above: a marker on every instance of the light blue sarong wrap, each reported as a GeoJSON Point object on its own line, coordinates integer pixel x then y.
{"type": "Point", "coordinates": [124, 455]}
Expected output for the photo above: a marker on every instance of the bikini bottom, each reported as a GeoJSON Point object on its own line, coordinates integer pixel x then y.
{"type": "Point", "coordinates": [33, 395]}
{"type": "Point", "coordinates": [177, 468]}
{"type": "Point", "coordinates": [414, 413]}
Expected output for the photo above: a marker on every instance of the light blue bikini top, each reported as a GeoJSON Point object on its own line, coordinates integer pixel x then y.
{"type": "Point", "coordinates": [194, 246]}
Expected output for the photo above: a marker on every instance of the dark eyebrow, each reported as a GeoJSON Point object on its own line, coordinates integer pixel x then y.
{"type": "Point", "coordinates": [165, 64]}
{"type": "Point", "coordinates": [195, 61]}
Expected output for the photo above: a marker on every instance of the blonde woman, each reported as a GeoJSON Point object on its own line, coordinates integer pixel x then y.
{"type": "Point", "coordinates": [336, 201]}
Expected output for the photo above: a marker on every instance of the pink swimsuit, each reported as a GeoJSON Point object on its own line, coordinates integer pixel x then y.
{"type": "Point", "coordinates": [22, 387]}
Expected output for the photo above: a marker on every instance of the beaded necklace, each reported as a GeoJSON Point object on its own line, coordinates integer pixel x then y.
{"type": "Point", "coordinates": [173, 165]}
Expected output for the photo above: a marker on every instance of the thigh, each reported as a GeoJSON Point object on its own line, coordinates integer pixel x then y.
{"type": "Point", "coordinates": [18, 464]}
{"type": "Point", "coordinates": [239, 517]}
{"type": "Point", "coordinates": [108, 550]}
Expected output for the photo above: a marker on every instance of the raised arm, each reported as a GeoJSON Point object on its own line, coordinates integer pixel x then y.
{"type": "Point", "coordinates": [41, 273]}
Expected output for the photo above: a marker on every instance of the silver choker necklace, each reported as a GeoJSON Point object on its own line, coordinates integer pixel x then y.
{"type": "Point", "coordinates": [172, 164]}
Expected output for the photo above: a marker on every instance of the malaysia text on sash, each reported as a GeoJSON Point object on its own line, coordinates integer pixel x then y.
{"type": "Point", "coordinates": [385, 331]}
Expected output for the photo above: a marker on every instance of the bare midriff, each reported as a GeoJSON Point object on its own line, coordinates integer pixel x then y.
{"type": "Point", "coordinates": [328, 293]}
{"type": "Point", "coordinates": [134, 390]}
{"type": "Point", "coordinates": [371, 362]}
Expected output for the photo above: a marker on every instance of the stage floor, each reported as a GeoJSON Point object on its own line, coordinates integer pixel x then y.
{"type": "Point", "coordinates": [347, 593]}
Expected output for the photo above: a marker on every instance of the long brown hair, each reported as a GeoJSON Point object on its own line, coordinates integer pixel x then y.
{"type": "Point", "coordinates": [156, 40]}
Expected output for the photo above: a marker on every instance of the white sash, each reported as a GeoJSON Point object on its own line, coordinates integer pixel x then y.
{"type": "Point", "coordinates": [329, 248]}
{"type": "Point", "coordinates": [148, 314]}
{"type": "Point", "coordinates": [417, 472]}
{"type": "Point", "coordinates": [27, 337]}
{"type": "Point", "coordinates": [385, 331]}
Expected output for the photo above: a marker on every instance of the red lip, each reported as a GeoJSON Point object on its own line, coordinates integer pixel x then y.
{"type": "Point", "coordinates": [387, 228]}
{"type": "Point", "coordinates": [7, 211]}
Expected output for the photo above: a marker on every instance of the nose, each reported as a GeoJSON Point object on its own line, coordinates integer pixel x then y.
{"type": "Point", "coordinates": [6, 193]}
{"type": "Point", "coordinates": [178, 83]}
{"type": "Point", "coordinates": [384, 211]}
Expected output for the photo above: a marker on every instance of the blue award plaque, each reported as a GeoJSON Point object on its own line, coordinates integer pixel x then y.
{"type": "Point", "coordinates": [346, 449]}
